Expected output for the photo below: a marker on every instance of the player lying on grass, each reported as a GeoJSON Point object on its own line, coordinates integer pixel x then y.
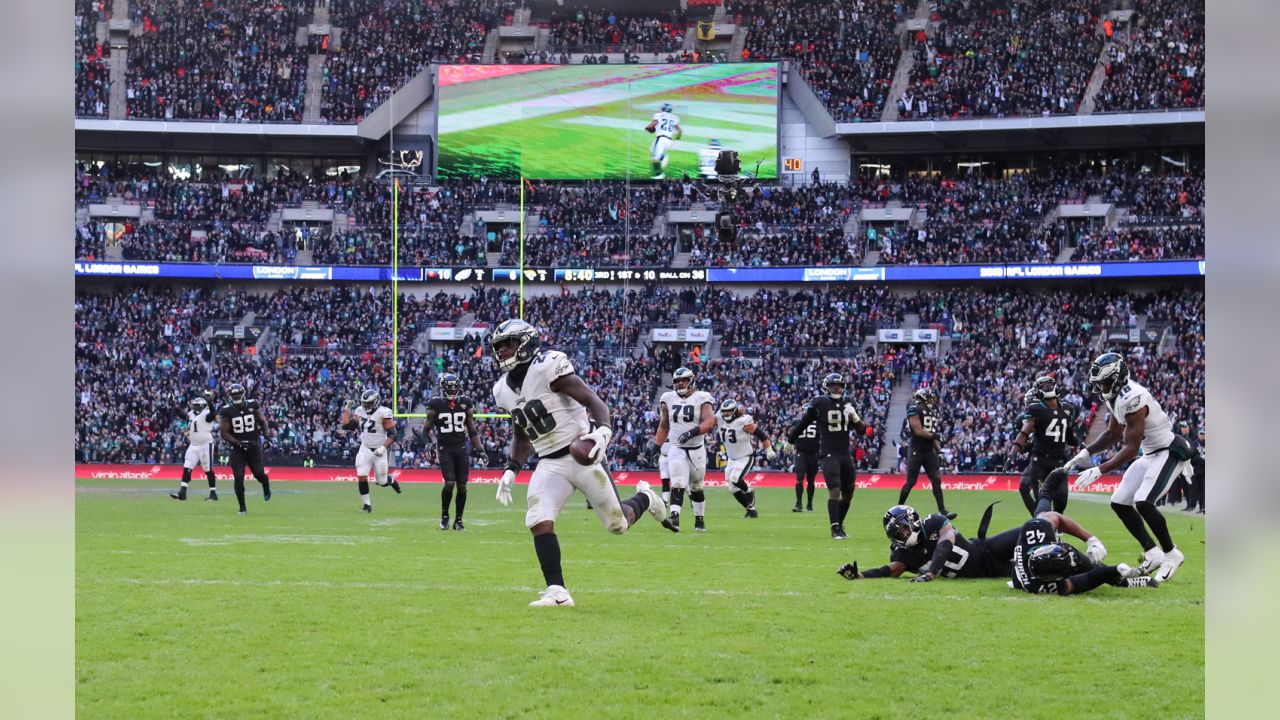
{"type": "Point", "coordinates": [551, 409]}
{"type": "Point", "coordinates": [932, 548]}
{"type": "Point", "coordinates": [1042, 563]}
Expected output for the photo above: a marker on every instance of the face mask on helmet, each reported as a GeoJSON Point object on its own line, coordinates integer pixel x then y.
{"type": "Point", "coordinates": [902, 525]}
{"type": "Point", "coordinates": [682, 381]}
{"type": "Point", "coordinates": [514, 343]}
{"type": "Point", "coordinates": [728, 410]}
{"type": "Point", "coordinates": [1051, 562]}
{"type": "Point", "coordinates": [236, 393]}
{"type": "Point", "coordinates": [369, 400]}
{"type": "Point", "coordinates": [199, 404]}
{"type": "Point", "coordinates": [450, 387]}
{"type": "Point", "coordinates": [1047, 387]}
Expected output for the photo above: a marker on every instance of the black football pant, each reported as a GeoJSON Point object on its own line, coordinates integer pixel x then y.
{"type": "Point", "coordinates": [455, 466]}
{"type": "Point", "coordinates": [806, 472]}
{"type": "Point", "coordinates": [1032, 487]}
{"type": "Point", "coordinates": [838, 475]}
{"type": "Point", "coordinates": [932, 465]}
{"type": "Point", "coordinates": [252, 458]}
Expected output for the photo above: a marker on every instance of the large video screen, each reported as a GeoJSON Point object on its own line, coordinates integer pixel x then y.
{"type": "Point", "coordinates": [570, 122]}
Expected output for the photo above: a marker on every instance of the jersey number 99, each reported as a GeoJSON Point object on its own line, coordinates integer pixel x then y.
{"type": "Point", "coordinates": [243, 424]}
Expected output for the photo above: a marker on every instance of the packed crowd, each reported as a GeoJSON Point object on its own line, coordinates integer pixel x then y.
{"type": "Point", "coordinates": [1002, 339]}
{"type": "Point", "coordinates": [93, 59]}
{"type": "Point", "coordinates": [848, 51]}
{"type": "Point", "coordinates": [1139, 243]}
{"type": "Point", "coordinates": [231, 61]}
{"type": "Point", "coordinates": [998, 58]}
{"type": "Point", "coordinates": [142, 352]}
{"type": "Point", "coordinates": [384, 43]}
{"type": "Point", "coordinates": [586, 30]}
{"type": "Point", "coordinates": [1162, 65]}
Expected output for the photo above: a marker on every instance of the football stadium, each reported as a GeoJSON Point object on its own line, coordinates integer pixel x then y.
{"type": "Point", "coordinates": [586, 358]}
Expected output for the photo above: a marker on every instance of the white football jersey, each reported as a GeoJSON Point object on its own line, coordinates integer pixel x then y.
{"type": "Point", "coordinates": [550, 420]}
{"type": "Point", "coordinates": [684, 414]}
{"type": "Point", "coordinates": [372, 434]}
{"type": "Point", "coordinates": [1158, 431]}
{"type": "Point", "coordinates": [734, 436]}
{"type": "Point", "coordinates": [667, 123]}
{"type": "Point", "coordinates": [200, 427]}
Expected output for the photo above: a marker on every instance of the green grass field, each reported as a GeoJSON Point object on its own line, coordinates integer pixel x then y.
{"type": "Point", "coordinates": [587, 121]}
{"type": "Point", "coordinates": [306, 608]}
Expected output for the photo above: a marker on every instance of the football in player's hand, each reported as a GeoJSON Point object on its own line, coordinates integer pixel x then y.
{"type": "Point", "coordinates": [581, 451]}
{"type": "Point", "coordinates": [651, 129]}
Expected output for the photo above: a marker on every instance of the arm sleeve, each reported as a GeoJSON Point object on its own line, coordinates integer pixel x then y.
{"type": "Point", "coordinates": [940, 554]}
{"type": "Point", "coordinates": [810, 414]}
{"type": "Point", "coordinates": [881, 572]}
{"type": "Point", "coordinates": [759, 434]}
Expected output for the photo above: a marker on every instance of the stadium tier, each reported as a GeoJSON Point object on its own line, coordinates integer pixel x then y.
{"type": "Point", "coordinates": [867, 60]}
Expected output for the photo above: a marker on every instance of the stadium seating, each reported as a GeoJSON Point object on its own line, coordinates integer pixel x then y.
{"type": "Point", "coordinates": [93, 61]}
{"type": "Point", "coordinates": [1161, 65]}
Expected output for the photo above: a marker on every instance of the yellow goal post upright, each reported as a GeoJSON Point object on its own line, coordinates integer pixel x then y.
{"type": "Point", "coordinates": [395, 302]}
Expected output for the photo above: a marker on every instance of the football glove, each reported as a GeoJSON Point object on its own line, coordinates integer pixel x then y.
{"type": "Point", "coordinates": [770, 453]}
{"type": "Point", "coordinates": [1078, 460]}
{"type": "Point", "coordinates": [1095, 550]}
{"type": "Point", "coordinates": [924, 577]}
{"type": "Point", "coordinates": [504, 486]}
{"type": "Point", "coordinates": [852, 414]}
{"type": "Point", "coordinates": [601, 437]}
{"type": "Point", "coordinates": [1087, 477]}
{"type": "Point", "coordinates": [379, 451]}
{"type": "Point", "coordinates": [849, 571]}
{"type": "Point", "coordinates": [687, 435]}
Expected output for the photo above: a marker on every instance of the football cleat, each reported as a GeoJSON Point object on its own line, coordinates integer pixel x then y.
{"type": "Point", "coordinates": [244, 512]}
{"type": "Point", "coordinates": [1172, 560]}
{"type": "Point", "coordinates": [797, 508]}
{"type": "Point", "coordinates": [752, 513]}
{"type": "Point", "coordinates": [657, 508]}
{"type": "Point", "coordinates": [366, 508]}
{"type": "Point", "coordinates": [266, 493]}
{"type": "Point", "coordinates": [180, 495]}
{"type": "Point", "coordinates": [457, 525]}
{"type": "Point", "coordinates": [395, 485]}
{"type": "Point", "coordinates": [699, 525]}
{"type": "Point", "coordinates": [837, 532]}
{"type": "Point", "coordinates": [213, 495]}
{"type": "Point", "coordinates": [1141, 582]}
{"type": "Point", "coordinates": [672, 522]}
{"type": "Point", "coordinates": [1151, 561]}
{"type": "Point", "coordinates": [553, 596]}
{"type": "Point", "coordinates": [949, 515]}
{"type": "Point", "coordinates": [808, 508]}
{"type": "Point", "coordinates": [444, 522]}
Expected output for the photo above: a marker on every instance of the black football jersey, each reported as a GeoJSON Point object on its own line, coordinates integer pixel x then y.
{"type": "Point", "coordinates": [451, 419]}
{"type": "Point", "coordinates": [1055, 430]}
{"type": "Point", "coordinates": [833, 424]}
{"type": "Point", "coordinates": [930, 420]}
{"type": "Point", "coordinates": [807, 441]}
{"type": "Point", "coordinates": [243, 419]}
{"type": "Point", "coordinates": [1034, 532]}
{"type": "Point", "coordinates": [965, 559]}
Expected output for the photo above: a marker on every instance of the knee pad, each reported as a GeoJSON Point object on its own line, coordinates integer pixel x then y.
{"type": "Point", "coordinates": [698, 496]}
{"type": "Point", "coordinates": [835, 494]}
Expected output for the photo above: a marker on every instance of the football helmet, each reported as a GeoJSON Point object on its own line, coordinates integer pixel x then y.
{"type": "Point", "coordinates": [714, 143]}
{"type": "Point", "coordinates": [729, 409]}
{"type": "Point", "coordinates": [682, 381]}
{"type": "Point", "coordinates": [902, 525]}
{"type": "Point", "coordinates": [199, 405]}
{"type": "Point", "coordinates": [1048, 387]}
{"type": "Point", "coordinates": [514, 343]}
{"type": "Point", "coordinates": [666, 107]}
{"type": "Point", "coordinates": [369, 400]}
{"type": "Point", "coordinates": [1032, 396]}
{"type": "Point", "coordinates": [1108, 375]}
{"type": "Point", "coordinates": [236, 394]}
{"type": "Point", "coordinates": [1051, 562]}
{"type": "Point", "coordinates": [830, 382]}
{"type": "Point", "coordinates": [924, 397]}
{"type": "Point", "coordinates": [450, 386]}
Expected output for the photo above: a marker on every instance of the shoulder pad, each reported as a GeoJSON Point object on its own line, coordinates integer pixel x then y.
{"type": "Point", "coordinates": [912, 410]}
{"type": "Point", "coordinates": [1130, 404]}
{"type": "Point", "coordinates": [747, 420]}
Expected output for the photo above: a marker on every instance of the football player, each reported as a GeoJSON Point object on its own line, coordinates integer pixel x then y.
{"type": "Point", "coordinates": [452, 414]}
{"type": "Point", "coordinates": [666, 126]}
{"type": "Point", "coordinates": [806, 467]}
{"type": "Point", "coordinates": [200, 422]}
{"type": "Point", "coordinates": [736, 430]}
{"type": "Point", "coordinates": [685, 413]}
{"type": "Point", "coordinates": [1042, 563]}
{"type": "Point", "coordinates": [1138, 419]}
{"type": "Point", "coordinates": [551, 408]}
{"type": "Point", "coordinates": [933, 548]}
{"type": "Point", "coordinates": [241, 424]}
{"type": "Point", "coordinates": [925, 447]}
{"type": "Point", "coordinates": [377, 433]}
{"type": "Point", "coordinates": [835, 416]}
{"type": "Point", "coordinates": [1048, 426]}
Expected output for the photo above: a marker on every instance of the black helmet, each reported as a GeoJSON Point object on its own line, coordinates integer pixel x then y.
{"type": "Point", "coordinates": [1032, 396]}
{"type": "Point", "coordinates": [1050, 562]}
{"type": "Point", "coordinates": [902, 525]}
{"type": "Point", "coordinates": [833, 379]}
{"type": "Point", "coordinates": [520, 332]}
{"type": "Point", "coordinates": [1108, 375]}
{"type": "Point", "coordinates": [236, 394]}
{"type": "Point", "coordinates": [369, 400]}
{"type": "Point", "coordinates": [924, 397]}
{"type": "Point", "coordinates": [1047, 386]}
{"type": "Point", "coordinates": [450, 386]}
